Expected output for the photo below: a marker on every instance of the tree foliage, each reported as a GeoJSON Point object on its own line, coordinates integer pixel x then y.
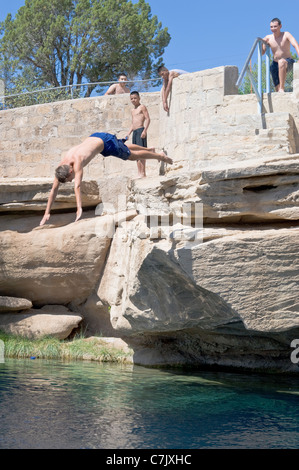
{"type": "Point", "coordinates": [52, 43]}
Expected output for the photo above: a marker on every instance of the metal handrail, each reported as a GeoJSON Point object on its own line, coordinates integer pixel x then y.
{"type": "Point", "coordinates": [71, 87]}
{"type": "Point", "coordinates": [258, 90]}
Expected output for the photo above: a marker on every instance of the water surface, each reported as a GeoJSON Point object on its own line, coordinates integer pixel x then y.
{"type": "Point", "coordinates": [87, 405]}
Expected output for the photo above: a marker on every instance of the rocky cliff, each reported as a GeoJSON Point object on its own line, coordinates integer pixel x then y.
{"type": "Point", "coordinates": [193, 267]}
{"type": "Point", "coordinates": [200, 268]}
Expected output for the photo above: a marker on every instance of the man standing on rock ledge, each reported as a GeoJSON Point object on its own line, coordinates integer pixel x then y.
{"type": "Point", "coordinates": [71, 166]}
{"type": "Point", "coordinates": [280, 44]}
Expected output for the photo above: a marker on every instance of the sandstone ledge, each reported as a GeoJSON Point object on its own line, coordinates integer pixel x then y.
{"type": "Point", "coordinates": [24, 194]}
{"type": "Point", "coordinates": [245, 192]}
{"type": "Point", "coordinates": [226, 298]}
{"type": "Point", "coordinates": [53, 320]}
{"type": "Point", "coordinates": [10, 304]}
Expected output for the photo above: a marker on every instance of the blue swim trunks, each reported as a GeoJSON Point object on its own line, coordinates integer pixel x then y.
{"type": "Point", "coordinates": [113, 146]}
{"type": "Point", "coordinates": [274, 70]}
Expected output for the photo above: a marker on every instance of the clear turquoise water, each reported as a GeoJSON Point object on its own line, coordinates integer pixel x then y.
{"type": "Point", "coordinates": [86, 405]}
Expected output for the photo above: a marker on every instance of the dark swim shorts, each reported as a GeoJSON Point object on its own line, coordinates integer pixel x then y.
{"type": "Point", "coordinates": [274, 70]}
{"type": "Point", "coordinates": [137, 139]}
{"type": "Point", "coordinates": [113, 146]}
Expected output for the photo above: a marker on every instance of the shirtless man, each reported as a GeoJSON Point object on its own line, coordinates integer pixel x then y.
{"type": "Point", "coordinates": [140, 123]}
{"type": "Point", "coordinates": [168, 76]}
{"type": "Point", "coordinates": [120, 87]}
{"type": "Point", "coordinates": [71, 166]}
{"type": "Point", "coordinates": [280, 43]}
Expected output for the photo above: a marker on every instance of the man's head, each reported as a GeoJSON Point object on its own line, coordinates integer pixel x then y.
{"type": "Point", "coordinates": [275, 25]}
{"type": "Point", "coordinates": [163, 71]}
{"type": "Point", "coordinates": [64, 173]}
{"type": "Point", "coordinates": [122, 77]}
{"type": "Point", "coordinates": [276, 19]}
{"type": "Point", "coordinates": [135, 98]}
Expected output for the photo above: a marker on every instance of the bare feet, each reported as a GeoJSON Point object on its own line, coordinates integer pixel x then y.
{"type": "Point", "coordinates": [165, 158]}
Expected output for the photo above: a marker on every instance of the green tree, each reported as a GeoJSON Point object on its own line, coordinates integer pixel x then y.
{"type": "Point", "coordinates": [53, 43]}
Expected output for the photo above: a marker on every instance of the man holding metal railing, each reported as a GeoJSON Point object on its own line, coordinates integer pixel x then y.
{"type": "Point", "coordinates": [280, 43]}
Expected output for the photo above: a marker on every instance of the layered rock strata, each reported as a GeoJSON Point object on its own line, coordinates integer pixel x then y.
{"type": "Point", "coordinates": [197, 268]}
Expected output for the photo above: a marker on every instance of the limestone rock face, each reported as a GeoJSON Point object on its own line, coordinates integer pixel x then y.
{"type": "Point", "coordinates": [195, 268]}
{"type": "Point", "coordinates": [234, 276]}
{"type": "Point", "coordinates": [252, 191]}
{"type": "Point", "coordinates": [23, 194]}
{"type": "Point", "coordinates": [254, 271]}
{"type": "Point", "coordinates": [54, 264]}
{"type": "Point", "coordinates": [52, 320]}
{"type": "Point", "coordinates": [152, 293]}
{"type": "Point", "coordinates": [195, 264]}
{"type": "Point", "coordinates": [10, 304]}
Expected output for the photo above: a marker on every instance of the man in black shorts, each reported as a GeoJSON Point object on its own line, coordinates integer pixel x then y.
{"type": "Point", "coordinates": [71, 166]}
{"type": "Point", "coordinates": [140, 123]}
{"type": "Point", "coordinates": [280, 43]}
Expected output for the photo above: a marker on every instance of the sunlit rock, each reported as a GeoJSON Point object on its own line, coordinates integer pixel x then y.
{"type": "Point", "coordinates": [53, 320]}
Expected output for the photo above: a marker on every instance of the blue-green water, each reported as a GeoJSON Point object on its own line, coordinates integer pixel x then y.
{"type": "Point", "coordinates": [86, 405]}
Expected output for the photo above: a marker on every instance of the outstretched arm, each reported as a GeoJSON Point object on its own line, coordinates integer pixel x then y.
{"type": "Point", "coordinates": [172, 75]}
{"type": "Point", "coordinates": [164, 95]}
{"type": "Point", "coordinates": [51, 199]}
{"type": "Point", "coordinates": [78, 180]}
{"type": "Point", "coordinates": [294, 43]}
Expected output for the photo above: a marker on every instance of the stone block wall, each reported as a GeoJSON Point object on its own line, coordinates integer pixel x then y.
{"type": "Point", "coordinates": [33, 138]}
{"type": "Point", "coordinates": [209, 123]}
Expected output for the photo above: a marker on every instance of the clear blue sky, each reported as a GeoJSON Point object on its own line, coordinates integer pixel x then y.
{"type": "Point", "coordinates": [210, 33]}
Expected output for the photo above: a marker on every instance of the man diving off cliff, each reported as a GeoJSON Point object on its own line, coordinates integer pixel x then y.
{"type": "Point", "coordinates": [71, 166]}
